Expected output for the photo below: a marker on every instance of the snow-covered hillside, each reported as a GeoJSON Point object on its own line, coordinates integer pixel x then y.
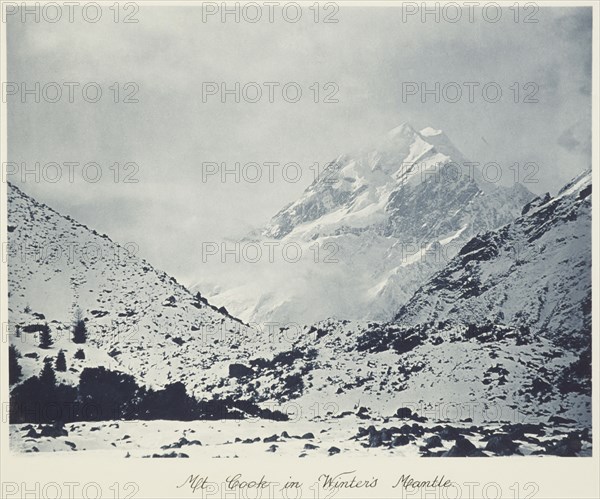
{"type": "Point", "coordinates": [139, 320]}
{"type": "Point", "coordinates": [372, 228]}
{"type": "Point", "coordinates": [445, 370]}
{"type": "Point", "coordinates": [534, 271]}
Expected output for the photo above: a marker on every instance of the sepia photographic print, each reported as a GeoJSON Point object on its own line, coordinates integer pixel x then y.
{"type": "Point", "coordinates": [300, 248]}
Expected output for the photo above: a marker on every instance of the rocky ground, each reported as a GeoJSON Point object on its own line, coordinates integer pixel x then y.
{"type": "Point", "coordinates": [405, 434]}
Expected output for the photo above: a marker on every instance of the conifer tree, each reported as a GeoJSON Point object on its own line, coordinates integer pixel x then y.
{"type": "Point", "coordinates": [61, 362]}
{"type": "Point", "coordinates": [14, 369]}
{"type": "Point", "coordinates": [47, 376]}
{"type": "Point", "coordinates": [46, 340]}
{"type": "Point", "coordinates": [79, 330]}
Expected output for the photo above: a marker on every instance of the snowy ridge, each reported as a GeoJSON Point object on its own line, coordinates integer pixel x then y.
{"type": "Point", "coordinates": [534, 271]}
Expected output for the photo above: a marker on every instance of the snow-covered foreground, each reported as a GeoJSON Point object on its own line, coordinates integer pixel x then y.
{"type": "Point", "coordinates": [305, 438]}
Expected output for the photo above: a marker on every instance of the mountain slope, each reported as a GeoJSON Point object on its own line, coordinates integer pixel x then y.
{"type": "Point", "coordinates": [139, 320]}
{"type": "Point", "coordinates": [444, 370]}
{"type": "Point", "coordinates": [534, 271]}
{"type": "Point", "coordinates": [370, 230]}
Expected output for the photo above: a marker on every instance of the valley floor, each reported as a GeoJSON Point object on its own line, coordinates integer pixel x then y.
{"type": "Point", "coordinates": [351, 435]}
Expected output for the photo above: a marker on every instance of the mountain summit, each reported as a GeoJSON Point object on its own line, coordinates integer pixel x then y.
{"type": "Point", "coordinates": [359, 187]}
{"type": "Point", "coordinates": [381, 221]}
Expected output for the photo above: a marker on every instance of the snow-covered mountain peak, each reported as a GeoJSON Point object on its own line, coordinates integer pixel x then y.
{"type": "Point", "coordinates": [403, 153]}
{"type": "Point", "coordinates": [378, 212]}
{"type": "Point", "coordinates": [367, 181]}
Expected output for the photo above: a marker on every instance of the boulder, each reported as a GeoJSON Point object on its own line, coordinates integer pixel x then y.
{"type": "Point", "coordinates": [433, 441]}
{"type": "Point", "coordinates": [404, 413]}
{"type": "Point", "coordinates": [560, 420]}
{"type": "Point", "coordinates": [502, 445]}
{"type": "Point", "coordinates": [400, 440]}
{"type": "Point", "coordinates": [449, 433]}
{"type": "Point", "coordinates": [567, 447]}
{"type": "Point", "coordinates": [375, 440]}
{"type": "Point", "coordinates": [239, 371]}
{"type": "Point", "coordinates": [462, 448]}
{"type": "Point", "coordinates": [53, 431]}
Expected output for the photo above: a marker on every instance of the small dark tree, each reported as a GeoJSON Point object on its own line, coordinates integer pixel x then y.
{"type": "Point", "coordinates": [46, 340]}
{"type": "Point", "coordinates": [61, 362]}
{"type": "Point", "coordinates": [14, 369]}
{"type": "Point", "coordinates": [47, 376]}
{"type": "Point", "coordinates": [80, 354]}
{"type": "Point", "coordinates": [79, 332]}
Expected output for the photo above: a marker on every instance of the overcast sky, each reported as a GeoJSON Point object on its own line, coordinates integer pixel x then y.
{"type": "Point", "coordinates": [368, 54]}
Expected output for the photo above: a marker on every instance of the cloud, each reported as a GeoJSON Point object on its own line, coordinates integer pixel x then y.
{"type": "Point", "coordinates": [369, 54]}
{"type": "Point", "coordinates": [577, 138]}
